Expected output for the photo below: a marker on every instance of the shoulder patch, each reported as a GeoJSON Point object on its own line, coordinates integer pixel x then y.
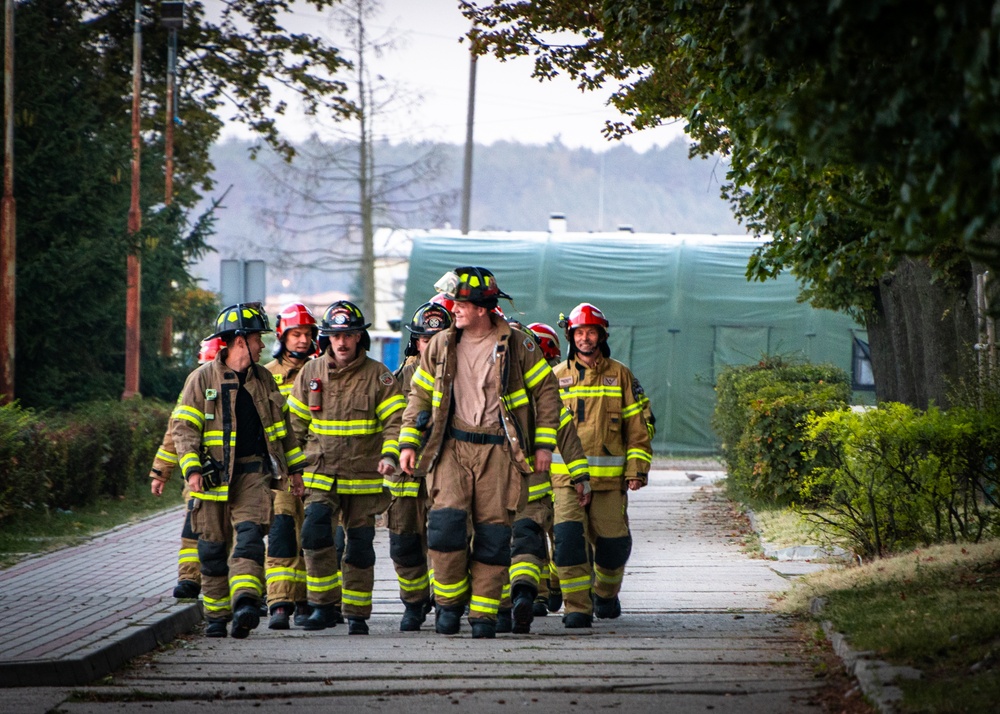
{"type": "Point", "coordinates": [529, 344]}
{"type": "Point", "coordinates": [279, 379]}
{"type": "Point", "coordinates": [610, 381]}
{"type": "Point", "coordinates": [386, 379]}
{"type": "Point", "coordinates": [565, 381]}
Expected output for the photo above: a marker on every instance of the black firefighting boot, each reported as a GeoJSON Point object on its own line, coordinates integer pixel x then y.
{"type": "Point", "coordinates": [414, 616]}
{"type": "Point", "coordinates": [246, 617]}
{"type": "Point", "coordinates": [302, 612]}
{"type": "Point", "coordinates": [504, 621]}
{"type": "Point", "coordinates": [523, 610]}
{"type": "Point", "coordinates": [577, 620]}
{"type": "Point", "coordinates": [187, 590]}
{"type": "Point", "coordinates": [216, 628]}
{"type": "Point", "coordinates": [555, 600]}
{"type": "Point", "coordinates": [607, 608]}
{"type": "Point", "coordinates": [280, 616]}
{"type": "Point", "coordinates": [483, 629]}
{"type": "Point", "coordinates": [540, 608]}
{"type": "Point", "coordinates": [357, 626]}
{"type": "Point", "coordinates": [338, 616]}
{"type": "Point", "coordinates": [448, 620]}
{"type": "Point", "coordinates": [322, 617]}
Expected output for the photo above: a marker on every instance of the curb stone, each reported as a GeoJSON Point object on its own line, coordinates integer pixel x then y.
{"type": "Point", "coordinates": [875, 677]}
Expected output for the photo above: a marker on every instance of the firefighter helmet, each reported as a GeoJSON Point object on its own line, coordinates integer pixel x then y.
{"type": "Point", "coordinates": [429, 319]}
{"type": "Point", "coordinates": [209, 348]}
{"type": "Point", "coordinates": [548, 340]}
{"type": "Point", "coordinates": [240, 320]}
{"type": "Point", "coordinates": [471, 284]}
{"type": "Point", "coordinates": [444, 301]}
{"type": "Point", "coordinates": [586, 314]}
{"type": "Point", "coordinates": [343, 317]}
{"type": "Point", "coordinates": [291, 316]}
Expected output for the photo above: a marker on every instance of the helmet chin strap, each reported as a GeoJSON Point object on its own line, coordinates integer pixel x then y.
{"type": "Point", "coordinates": [298, 355]}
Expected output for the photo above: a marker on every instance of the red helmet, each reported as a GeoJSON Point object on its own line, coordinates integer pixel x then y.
{"type": "Point", "coordinates": [444, 301]}
{"type": "Point", "coordinates": [291, 316]}
{"type": "Point", "coordinates": [548, 340]}
{"type": "Point", "coordinates": [210, 348]}
{"type": "Point", "coordinates": [586, 314]}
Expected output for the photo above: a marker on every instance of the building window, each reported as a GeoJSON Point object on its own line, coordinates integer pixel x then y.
{"type": "Point", "coordinates": [861, 367]}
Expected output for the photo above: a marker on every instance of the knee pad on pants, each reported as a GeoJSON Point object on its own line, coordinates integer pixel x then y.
{"type": "Point", "coordinates": [317, 528]}
{"type": "Point", "coordinates": [281, 542]}
{"type": "Point", "coordinates": [571, 546]}
{"type": "Point", "coordinates": [249, 542]}
{"type": "Point", "coordinates": [405, 550]}
{"type": "Point", "coordinates": [446, 530]}
{"type": "Point", "coordinates": [360, 547]}
{"type": "Point", "coordinates": [186, 530]}
{"type": "Point", "coordinates": [612, 553]}
{"type": "Point", "coordinates": [213, 558]}
{"type": "Point", "coordinates": [529, 539]}
{"type": "Point", "coordinates": [491, 544]}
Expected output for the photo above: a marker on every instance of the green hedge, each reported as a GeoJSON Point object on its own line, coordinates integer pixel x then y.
{"type": "Point", "coordinates": [760, 416]}
{"type": "Point", "coordinates": [897, 477]}
{"type": "Point", "coordinates": [61, 460]}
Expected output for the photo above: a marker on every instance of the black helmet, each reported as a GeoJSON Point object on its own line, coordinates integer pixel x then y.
{"type": "Point", "coordinates": [471, 284]}
{"type": "Point", "coordinates": [429, 319]}
{"type": "Point", "coordinates": [241, 320]}
{"type": "Point", "coordinates": [343, 317]}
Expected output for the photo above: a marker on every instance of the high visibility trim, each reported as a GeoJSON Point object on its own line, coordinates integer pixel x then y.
{"type": "Point", "coordinates": [515, 399]}
{"type": "Point", "coordinates": [321, 482]}
{"type": "Point", "coordinates": [324, 584]}
{"type": "Point", "coordinates": [390, 406]}
{"type": "Point", "coordinates": [247, 581]}
{"type": "Point", "coordinates": [631, 410]}
{"type": "Point", "coordinates": [294, 457]}
{"type": "Point", "coordinates": [404, 489]}
{"type": "Point", "coordinates": [485, 605]}
{"type": "Point", "coordinates": [276, 431]}
{"type": "Point", "coordinates": [640, 454]}
{"type": "Point", "coordinates": [213, 494]}
{"type": "Point", "coordinates": [286, 388]}
{"type": "Point", "coordinates": [598, 466]}
{"type": "Point", "coordinates": [505, 592]}
{"type": "Point", "coordinates": [168, 456]}
{"type": "Point", "coordinates": [537, 373]}
{"type": "Point", "coordinates": [217, 438]}
{"type": "Point", "coordinates": [528, 570]}
{"type": "Point", "coordinates": [591, 392]}
{"type": "Point", "coordinates": [415, 584]}
{"type": "Point", "coordinates": [565, 418]}
{"type": "Point", "coordinates": [360, 486]}
{"type": "Point", "coordinates": [299, 408]}
{"type": "Point", "coordinates": [408, 436]}
{"type": "Point", "coordinates": [280, 574]}
{"type": "Point", "coordinates": [349, 427]}
{"type": "Point", "coordinates": [451, 591]}
{"type": "Point", "coordinates": [390, 447]}
{"type": "Point", "coordinates": [190, 462]}
{"type": "Point", "coordinates": [436, 398]}
{"type": "Point", "coordinates": [189, 414]}
{"type": "Point", "coordinates": [423, 380]}
{"type": "Point", "coordinates": [187, 555]}
{"type": "Point", "coordinates": [539, 491]}
{"type": "Point", "coordinates": [214, 605]}
{"type": "Point", "coordinates": [358, 598]}
{"type": "Point", "coordinates": [545, 436]}
{"type": "Point", "coordinates": [608, 578]}
{"type": "Point", "coordinates": [575, 585]}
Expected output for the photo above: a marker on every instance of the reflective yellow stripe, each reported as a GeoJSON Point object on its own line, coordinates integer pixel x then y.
{"type": "Point", "coordinates": [187, 555]}
{"type": "Point", "coordinates": [294, 457]}
{"type": "Point", "coordinates": [485, 605]}
{"type": "Point", "coordinates": [590, 392]}
{"type": "Point", "coordinates": [250, 582]}
{"type": "Point", "coordinates": [409, 435]}
{"type": "Point", "coordinates": [575, 585]}
{"type": "Point", "coordinates": [451, 591]}
{"type": "Point", "coordinates": [390, 447]}
{"type": "Point", "coordinates": [436, 399]}
{"type": "Point", "coordinates": [565, 417]}
{"type": "Point", "coordinates": [280, 574]}
{"type": "Point", "coordinates": [358, 598]}
{"type": "Point", "coordinates": [349, 427]}
{"type": "Point", "coordinates": [164, 455]}
{"type": "Point", "coordinates": [216, 438]}
{"type": "Point", "coordinates": [539, 491]}
{"type": "Point", "coordinates": [545, 436]}
{"type": "Point", "coordinates": [537, 373]}
{"type": "Point", "coordinates": [515, 399]}
{"type": "Point", "coordinates": [325, 584]}
{"type": "Point", "coordinates": [413, 585]}
{"type": "Point", "coordinates": [406, 489]}
{"type": "Point", "coordinates": [631, 410]}
{"type": "Point", "coordinates": [213, 494]}
{"type": "Point", "coordinates": [285, 388]}
{"type": "Point", "coordinates": [608, 578]}
{"type": "Point", "coordinates": [359, 486]}
{"type": "Point", "coordinates": [598, 466]}
{"type": "Point", "coordinates": [299, 408]}
{"type": "Point", "coordinates": [640, 454]}
{"type": "Point", "coordinates": [213, 605]}
{"type": "Point", "coordinates": [529, 570]}
{"type": "Point", "coordinates": [190, 462]}
{"type": "Point", "coordinates": [423, 380]}
{"type": "Point", "coordinates": [276, 431]}
{"type": "Point", "coordinates": [321, 482]}
{"type": "Point", "coordinates": [189, 414]}
{"type": "Point", "coordinates": [390, 406]}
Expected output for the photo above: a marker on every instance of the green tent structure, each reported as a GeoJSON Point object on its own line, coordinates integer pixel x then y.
{"type": "Point", "coordinates": [680, 309]}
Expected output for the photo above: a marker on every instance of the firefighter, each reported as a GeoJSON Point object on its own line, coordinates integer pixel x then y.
{"type": "Point", "coordinates": [407, 514]}
{"type": "Point", "coordinates": [188, 566]}
{"type": "Point", "coordinates": [473, 396]}
{"type": "Point", "coordinates": [601, 395]}
{"type": "Point", "coordinates": [233, 443]}
{"type": "Point", "coordinates": [296, 337]}
{"type": "Point", "coordinates": [345, 410]}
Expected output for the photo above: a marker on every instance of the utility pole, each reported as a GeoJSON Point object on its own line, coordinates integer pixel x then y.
{"type": "Point", "coordinates": [8, 215]}
{"type": "Point", "coordinates": [134, 267]}
{"type": "Point", "coordinates": [467, 168]}
{"type": "Point", "coordinates": [172, 18]}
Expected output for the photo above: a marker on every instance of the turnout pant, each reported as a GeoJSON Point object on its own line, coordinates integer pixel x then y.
{"type": "Point", "coordinates": [529, 554]}
{"type": "Point", "coordinates": [188, 565]}
{"type": "Point", "coordinates": [407, 523]}
{"type": "Point", "coordinates": [475, 484]}
{"type": "Point", "coordinates": [285, 567]}
{"type": "Point", "coordinates": [611, 540]}
{"type": "Point", "coordinates": [571, 555]}
{"type": "Point", "coordinates": [231, 540]}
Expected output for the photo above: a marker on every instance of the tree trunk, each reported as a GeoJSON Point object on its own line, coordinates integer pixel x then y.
{"type": "Point", "coordinates": [921, 334]}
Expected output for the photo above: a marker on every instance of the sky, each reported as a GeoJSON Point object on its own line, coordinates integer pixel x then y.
{"type": "Point", "coordinates": [430, 61]}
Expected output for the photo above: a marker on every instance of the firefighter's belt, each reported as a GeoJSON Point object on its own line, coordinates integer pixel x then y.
{"type": "Point", "coordinates": [474, 438]}
{"type": "Point", "coordinates": [248, 467]}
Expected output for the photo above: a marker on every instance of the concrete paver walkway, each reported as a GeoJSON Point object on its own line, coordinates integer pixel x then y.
{"type": "Point", "coordinates": [696, 635]}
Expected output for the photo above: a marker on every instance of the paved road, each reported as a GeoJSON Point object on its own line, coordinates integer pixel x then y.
{"type": "Point", "coordinates": [696, 635]}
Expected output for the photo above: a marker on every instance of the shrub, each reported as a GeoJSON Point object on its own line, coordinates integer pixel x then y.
{"type": "Point", "coordinates": [759, 415]}
{"type": "Point", "coordinates": [897, 477]}
{"type": "Point", "coordinates": [21, 486]}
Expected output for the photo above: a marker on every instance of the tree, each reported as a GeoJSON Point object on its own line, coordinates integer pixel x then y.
{"type": "Point", "coordinates": [858, 133]}
{"type": "Point", "coordinates": [343, 189]}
